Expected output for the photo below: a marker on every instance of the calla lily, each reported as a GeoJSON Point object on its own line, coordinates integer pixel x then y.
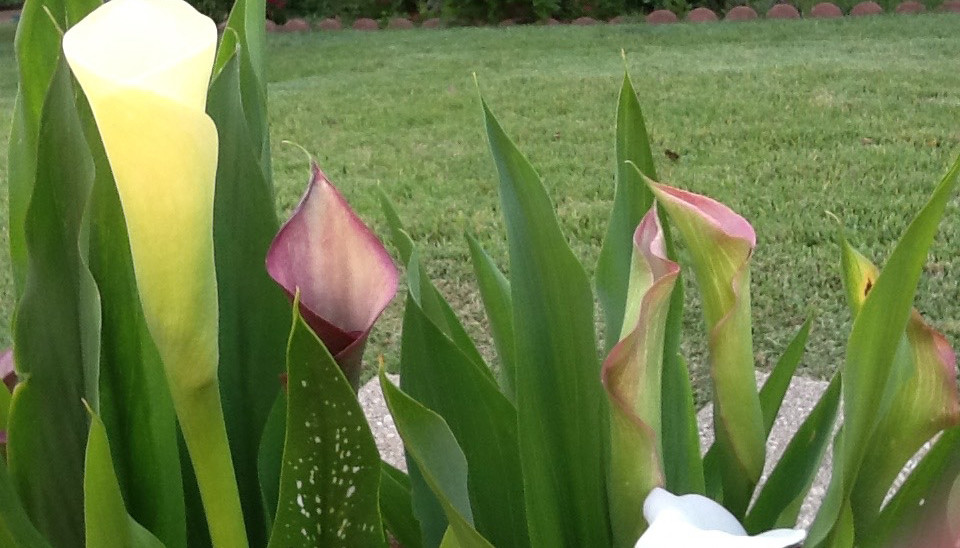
{"type": "Point", "coordinates": [720, 244]}
{"type": "Point", "coordinates": [926, 400]}
{"type": "Point", "coordinates": [695, 520]}
{"type": "Point", "coordinates": [146, 84]}
{"type": "Point", "coordinates": [631, 376]}
{"type": "Point", "coordinates": [344, 274]}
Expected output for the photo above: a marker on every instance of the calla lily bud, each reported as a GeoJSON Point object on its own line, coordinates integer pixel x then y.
{"type": "Point", "coordinates": [344, 274]}
{"type": "Point", "coordinates": [695, 520]}
{"type": "Point", "coordinates": [632, 376]}
{"type": "Point", "coordinates": [720, 243]}
{"type": "Point", "coordinates": [147, 84]}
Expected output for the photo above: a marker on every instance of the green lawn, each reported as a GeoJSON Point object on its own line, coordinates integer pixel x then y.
{"type": "Point", "coordinates": [783, 121]}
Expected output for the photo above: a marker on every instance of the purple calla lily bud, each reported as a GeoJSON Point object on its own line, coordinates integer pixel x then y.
{"type": "Point", "coordinates": [345, 276]}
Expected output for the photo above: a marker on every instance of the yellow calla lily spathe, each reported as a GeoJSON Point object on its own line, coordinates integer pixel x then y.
{"type": "Point", "coordinates": [145, 66]}
{"type": "Point", "coordinates": [146, 84]}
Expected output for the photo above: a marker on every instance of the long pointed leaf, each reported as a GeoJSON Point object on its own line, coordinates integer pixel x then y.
{"type": "Point", "coordinates": [631, 201]}
{"type": "Point", "coordinates": [396, 506]}
{"type": "Point", "coordinates": [434, 449]}
{"type": "Point", "coordinates": [329, 484]}
{"type": "Point", "coordinates": [56, 330]}
{"type": "Point", "coordinates": [106, 520]}
{"type": "Point", "coordinates": [920, 500]}
{"type": "Point", "coordinates": [778, 502]}
{"type": "Point", "coordinates": [440, 376]}
{"type": "Point", "coordinates": [253, 311]}
{"type": "Point", "coordinates": [15, 526]}
{"type": "Point", "coordinates": [495, 292]}
{"type": "Point", "coordinates": [873, 342]}
{"type": "Point", "coordinates": [560, 401]}
{"type": "Point", "coordinates": [37, 47]}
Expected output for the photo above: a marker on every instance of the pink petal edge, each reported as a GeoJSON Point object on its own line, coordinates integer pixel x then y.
{"type": "Point", "coordinates": [719, 215]}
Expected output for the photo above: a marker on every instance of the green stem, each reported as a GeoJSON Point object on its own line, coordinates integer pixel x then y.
{"type": "Point", "coordinates": [201, 420]}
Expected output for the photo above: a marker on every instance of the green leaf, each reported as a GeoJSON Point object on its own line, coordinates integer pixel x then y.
{"type": "Point", "coordinates": [135, 403]}
{"type": "Point", "coordinates": [682, 464]}
{"type": "Point", "coordinates": [401, 240]}
{"type": "Point", "coordinates": [37, 47]}
{"type": "Point", "coordinates": [107, 522]}
{"type": "Point", "coordinates": [921, 497]}
{"type": "Point", "coordinates": [495, 292]}
{"type": "Point", "coordinates": [432, 447]}
{"type": "Point", "coordinates": [440, 376]}
{"type": "Point", "coordinates": [776, 385]}
{"type": "Point", "coordinates": [15, 527]}
{"type": "Point", "coordinates": [434, 305]}
{"type": "Point", "coordinates": [253, 310]}
{"type": "Point", "coordinates": [438, 310]}
{"type": "Point", "coordinates": [560, 401]}
{"type": "Point", "coordinates": [56, 329]}
{"type": "Point", "coordinates": [873, 343]}
{"type": "Point", "coordinates": [396, 507]}
{"type": "Point", "coordinates": [330, 479]}
{"type": "Point", "coordinates": [270, 456]}
{"type": "Point", "coordinates": [631, 201]}
{"type": "Point", "coordinates": [778, 503]}
{"type": "Point", "coordinates": [245, 37]}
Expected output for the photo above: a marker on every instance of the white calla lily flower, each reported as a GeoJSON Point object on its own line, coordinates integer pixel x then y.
{"type": "Point", "coordinates": [694, 520]}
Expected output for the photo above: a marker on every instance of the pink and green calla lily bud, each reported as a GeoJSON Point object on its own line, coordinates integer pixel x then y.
{"type": "Point", "coordinates": [631, 375]}
{"type": "Point", "coordinates": [695, 520]}
{"type": "Point", "coordinates": [345, 276]}
{"type": "Point", "coordinates": [147, 87]}
{"type": "Point", "coordinates": [925, 402]}
{"type": "Point", "coordinates": [720, 243]}
{"type": "Point", "coordinates": [144, 66]}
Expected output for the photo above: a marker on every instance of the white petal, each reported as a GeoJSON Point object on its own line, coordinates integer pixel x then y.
{"type": "Point", "coordinates": [162, 46]}
{"type": "Point", "coordinates": [694, 521]}
{"type": "Point", "coordinates": [697, 510]}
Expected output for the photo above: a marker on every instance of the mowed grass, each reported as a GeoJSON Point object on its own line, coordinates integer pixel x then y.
{"type": "Point", "coordinates": [789, 123]}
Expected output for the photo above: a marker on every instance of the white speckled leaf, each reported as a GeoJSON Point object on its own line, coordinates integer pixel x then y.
{"type": "Point", "coordinates": [330, 477]}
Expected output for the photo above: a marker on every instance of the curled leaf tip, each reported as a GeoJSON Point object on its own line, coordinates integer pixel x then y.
{"type": "Point", "coordinates": [714, 212]}
{"type": "Point", "coordinates": [344, 274]}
